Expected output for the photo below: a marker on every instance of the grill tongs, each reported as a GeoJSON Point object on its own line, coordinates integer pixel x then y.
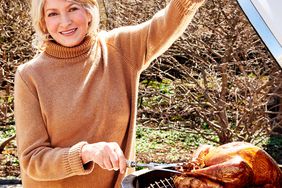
{"type": "Point", "coordinates": [154, 166]}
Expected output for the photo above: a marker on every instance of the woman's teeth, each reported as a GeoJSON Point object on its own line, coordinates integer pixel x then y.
{"type": "Point", "coordinates": [68, 32]}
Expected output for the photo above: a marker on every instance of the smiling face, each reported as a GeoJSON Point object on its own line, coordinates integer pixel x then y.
{"type": "Point", "coordinates": [66, 21]}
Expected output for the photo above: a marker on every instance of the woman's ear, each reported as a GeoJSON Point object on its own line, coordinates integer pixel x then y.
{"type": "Point", "coordinates": [43, 27]}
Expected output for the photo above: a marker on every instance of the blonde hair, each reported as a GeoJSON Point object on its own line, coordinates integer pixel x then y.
{"type": "Point", "coordinates": [37, 15]}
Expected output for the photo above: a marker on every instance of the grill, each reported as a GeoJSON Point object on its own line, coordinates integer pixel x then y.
{"type": "Point", "coordinates": [149, 179]}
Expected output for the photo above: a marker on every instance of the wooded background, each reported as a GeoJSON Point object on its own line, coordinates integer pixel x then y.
{"type": "Point", "coordinates": [218, 80]}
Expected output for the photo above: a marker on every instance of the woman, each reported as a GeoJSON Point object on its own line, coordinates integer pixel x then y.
{"type": "Point", "coordinates": [75, 102]}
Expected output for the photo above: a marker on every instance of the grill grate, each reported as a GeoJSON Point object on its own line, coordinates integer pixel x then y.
{"type": "Point", "coordinates": [156, 178]}
{"type": "Point", "coordinates": [163, 183]}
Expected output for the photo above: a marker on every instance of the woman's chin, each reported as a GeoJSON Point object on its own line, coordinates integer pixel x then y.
{"type": "Point", "coordinates": [70, 41]}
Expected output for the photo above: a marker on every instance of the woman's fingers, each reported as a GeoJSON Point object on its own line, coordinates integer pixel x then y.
{"type": "Point", "coordinates": [117, 157]}
{"type": "Point", "coordinates": [108, 155]}
{"type": "Point", "coordinates": [110, 149]}
{"type": "Point", "coordinates": [107, 163]}
{"type": "Point", "coordinates": [121, 161]}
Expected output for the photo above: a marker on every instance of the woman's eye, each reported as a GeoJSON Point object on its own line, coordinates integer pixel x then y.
{"type": "Point", "coordinates": [52, 14]}
{"type": "Point", "coordinates": [73, 9]}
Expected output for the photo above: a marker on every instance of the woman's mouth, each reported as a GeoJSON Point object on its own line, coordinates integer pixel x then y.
{"type": "Point", "coordinates": [68, 32]}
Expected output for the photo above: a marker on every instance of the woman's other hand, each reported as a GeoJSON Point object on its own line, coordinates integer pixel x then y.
{"type": "Point", "coordinates": [108, 155]}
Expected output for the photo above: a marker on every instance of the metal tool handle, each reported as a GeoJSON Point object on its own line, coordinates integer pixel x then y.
{"type": "Point", "coordinates": [130, 164]}
{"type": "Point", "coordinates": [153, 166]}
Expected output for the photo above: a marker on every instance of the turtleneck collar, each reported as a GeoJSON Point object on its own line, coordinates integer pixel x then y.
{"type": "Point", "coordinates": [57, 51]}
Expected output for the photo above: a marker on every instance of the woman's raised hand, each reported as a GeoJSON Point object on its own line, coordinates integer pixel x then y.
{"type": "Point", "coordinates": [108, 155]}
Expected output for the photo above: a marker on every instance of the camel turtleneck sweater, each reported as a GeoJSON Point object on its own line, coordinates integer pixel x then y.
{"type": "Point", "coordinates": [67, 97]}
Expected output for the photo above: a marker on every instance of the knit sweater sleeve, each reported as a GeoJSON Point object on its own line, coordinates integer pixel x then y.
{"type": "Point", "coordinates": [142, 43]}
{"type": "Point", "coordinates": [38, 159]}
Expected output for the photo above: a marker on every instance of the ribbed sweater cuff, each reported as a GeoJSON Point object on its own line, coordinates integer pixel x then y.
{"type": "Point", "coordinates": [187, 6]}
{"type": "Point", "coordinates": [73, 162]}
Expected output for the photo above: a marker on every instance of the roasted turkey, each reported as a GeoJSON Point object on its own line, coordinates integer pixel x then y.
{"type": "Point", "coordinates": [232, 165]}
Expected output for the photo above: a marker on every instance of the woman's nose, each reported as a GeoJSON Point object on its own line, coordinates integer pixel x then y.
{"type": "Point", "coordinates": [65, 20]}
